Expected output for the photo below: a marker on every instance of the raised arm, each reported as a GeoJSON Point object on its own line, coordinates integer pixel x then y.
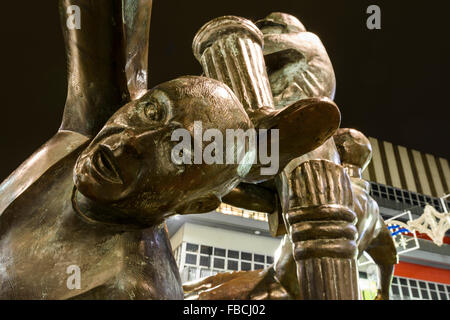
{"type": "Point", "coordinates": [137, 14]}
{"type": "Point", "coordinates": [96, 59]}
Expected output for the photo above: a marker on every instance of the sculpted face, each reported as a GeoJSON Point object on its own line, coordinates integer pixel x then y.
{"type": "Point", "coordinates": [297, 62]}
{"type": "Point", "coordinates": [129, 164]}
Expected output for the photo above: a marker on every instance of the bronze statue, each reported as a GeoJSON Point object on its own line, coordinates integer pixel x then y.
{"type": "Point", "coordinates": [280, 281]}
{"type": "Point", "coordinates": [299, 67]}
{"type": "Point", "coordinates": [46, 225]}
{"type": "Point", "coordinates": [355, 152]}
{"type": "Point", "coordinates": [297, 62]}
{"type": "Point", "coordinates": [95, 196]}
{"type": "Point", "coordinates": [229, 49]}
{"type": "Point", "coordinates": [314, 191]}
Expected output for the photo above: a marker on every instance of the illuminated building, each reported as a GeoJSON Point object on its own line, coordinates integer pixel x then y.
{"type": "Point", "coordinates": [401, 180]}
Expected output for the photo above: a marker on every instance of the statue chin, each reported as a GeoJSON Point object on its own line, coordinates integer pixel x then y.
{"type": "Point", "coordinates": [95, 183]}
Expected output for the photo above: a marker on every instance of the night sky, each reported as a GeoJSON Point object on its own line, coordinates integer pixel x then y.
{"type": "Point", "coordinates": [392, 83]}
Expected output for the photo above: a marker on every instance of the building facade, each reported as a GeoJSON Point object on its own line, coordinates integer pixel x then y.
{"type": "Point", "coordinates": [402, 180]}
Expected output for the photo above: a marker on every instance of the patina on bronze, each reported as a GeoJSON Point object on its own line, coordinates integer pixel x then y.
{"type": "Point", "coordinates": [96, 195]}
{"type": "Point", "coordinates": [355, 151]}
{"type": "Point", "coordinates": [229, 49]}
{"type": "Point", "coordinates": [137, 15]}
{"type": "Point", "coordinates": [297, 62]}
{"type": "Point", "coordinates": [316, 201]}
{"type": "Point", "coordinates": [112, 230]}
{"type": "Point", "coordinates": [280, 281]}
{"type": "Point", "coordinates": [373, 236]}
{"type": "Point", "coordinates": [315, 191]}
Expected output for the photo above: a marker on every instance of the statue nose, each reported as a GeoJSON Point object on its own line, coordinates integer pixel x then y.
{"type": "Point", "coordinates": [120, 143]}
{"type": "Point", "coordinates": [107, 133]}
{"type": "Point", "coordinates": [130, 145]}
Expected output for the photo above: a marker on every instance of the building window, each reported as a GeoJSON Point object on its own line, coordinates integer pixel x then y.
{"type": "Point", "coordinates": [219, 252]}
{"type": "Point", "coordinates": [246, 256]}
{"type": "Point", "coordinates": [205, 273]}
{"type": "Point", "coordinates": [259, 258]}
{"type": "Point", "coordinates": [232, 265]}
{"type": "Point", "coordinates": [205, 261]}
{"type": "Point", "coordinates": [411, 289]}
{"type": "Point", "coordinates": [191, 247]}
{"type": "Point", "coordinates": [245, 266]}
{"type": "Point", "coordinates": [202, 260]}
{"type": "Point", "coordinates": [206, 250]}
{"type": "Point", "coordinates": [191, 258]}
{"type": "Point", "coordinates": [219, 263]}
{"type": "Point", "coordinates": [404, 196]}
{"type": "Point", "coordinates": [233, 254]}
{"type": "Point", "coordinates": [192, 273]}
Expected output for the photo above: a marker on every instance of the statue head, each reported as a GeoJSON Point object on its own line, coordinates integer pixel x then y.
{"type": "Point", "coordinates": [129, 163]}
{"type": "Point", "coordinates": [354, 148]}
{"type": "Point", "coordinates": [297, 62]}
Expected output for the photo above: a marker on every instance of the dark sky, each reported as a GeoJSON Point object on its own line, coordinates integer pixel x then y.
{"type": "Point", "coordinates": [391, 83]}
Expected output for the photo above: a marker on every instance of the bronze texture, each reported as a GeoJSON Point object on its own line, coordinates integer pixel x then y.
{"type": "Point", "coordinates": [299, 70]}
{"type": "Point", "coordinates": [281, 281]}
{"type": "Point", "coordinates": [316, 197]}
{"type": "Point", "coordinates": [96, 195]}
{"type": "Point", "coordinates": [229, 49]}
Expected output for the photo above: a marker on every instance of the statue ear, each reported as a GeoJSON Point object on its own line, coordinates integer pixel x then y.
{"type": "Point", "coordinates": [200, 205]}
{"type": "Point", "coordinates": [302, 127]}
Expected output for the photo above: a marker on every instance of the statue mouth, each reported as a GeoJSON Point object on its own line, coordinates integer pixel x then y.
{"type": "Point", "coordinates": [105, 165]}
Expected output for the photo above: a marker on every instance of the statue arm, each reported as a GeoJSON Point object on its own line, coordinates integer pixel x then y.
{"type": "Point", "coordinates": [252, 197]}
{"type": "Point", "coordinates": [137, 16]}
{"type": "Point", "coordinates": [96, 58]}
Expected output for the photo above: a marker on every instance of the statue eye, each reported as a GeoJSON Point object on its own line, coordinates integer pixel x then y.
{"type": "Point", "coordinates": [153, 111]}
